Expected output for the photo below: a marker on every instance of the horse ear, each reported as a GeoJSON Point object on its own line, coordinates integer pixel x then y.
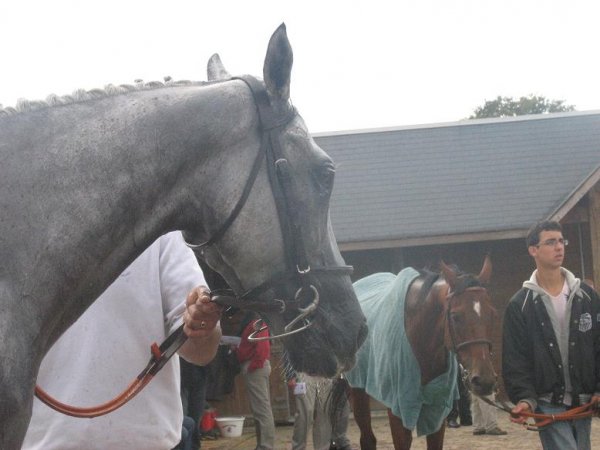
{"type": "Point", "coordinates": [278, 65]}
{"type": "Point", "coordinates": [449, 275]}
{"type": "Point", "coordinates": [216, 70]}
{"type": "Point", "coordinates": [486, 270]}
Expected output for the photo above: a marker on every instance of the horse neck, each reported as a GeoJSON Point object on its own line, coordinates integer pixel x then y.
{"type": "Point", "coordinates": [100, 181]}
{"type": "Point", "coordinates": [425, 324]}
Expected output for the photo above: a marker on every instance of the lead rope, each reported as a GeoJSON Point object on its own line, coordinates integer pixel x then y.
{"type": "Point", "coordinates": [160, 355]}
{"type": "Point", "coordinates": [543, 420]}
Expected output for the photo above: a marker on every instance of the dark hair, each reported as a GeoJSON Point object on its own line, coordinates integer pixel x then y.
{"type": "Point", "coordinates": [533, 235]}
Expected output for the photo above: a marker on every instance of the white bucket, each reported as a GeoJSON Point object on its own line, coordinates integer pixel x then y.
{"type": "Point", "coordinates": [230, 426]}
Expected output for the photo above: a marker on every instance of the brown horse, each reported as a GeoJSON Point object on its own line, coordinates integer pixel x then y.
{"type": "Point", "coordinates": [437, 319]}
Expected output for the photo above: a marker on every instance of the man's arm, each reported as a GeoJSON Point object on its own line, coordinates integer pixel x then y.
{"type": "Point", "coordinates": [201, 325]}
{"type": "Point", "coordinates": [595, 298]}
{"type": "Point", "coordinates": [517, 360]}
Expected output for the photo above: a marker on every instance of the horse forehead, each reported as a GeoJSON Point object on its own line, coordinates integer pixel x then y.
{"type": "Point", "coordinates": [299, 141]}
{"type": "Point", "coordinates": [477, 307]}
{"type": "Point", "coordinates": [472, 298]}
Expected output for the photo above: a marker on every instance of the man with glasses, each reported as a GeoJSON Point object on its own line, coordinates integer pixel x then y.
{"type": "Point", "coordinates": [551, 342]}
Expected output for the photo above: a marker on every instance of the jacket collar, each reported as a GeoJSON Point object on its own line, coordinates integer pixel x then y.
{"type": "Point", "coordinates": [572, 282]}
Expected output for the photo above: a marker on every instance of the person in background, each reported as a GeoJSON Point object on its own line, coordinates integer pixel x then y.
{"type": "Point", "coordinates": [311, 397]}
{"type": "Point", "coordinates": [461, 408]}
{"type": "Point", "coordinates": [109, 344]}
{"type": "Point", "coordinates": [256, 369]}
{"type": "Point", "coordinates": [484, 417]}
{"type": "Point", "coordinates": [193, 393]}
{"type": "Point", "coordinates": [551, 342]}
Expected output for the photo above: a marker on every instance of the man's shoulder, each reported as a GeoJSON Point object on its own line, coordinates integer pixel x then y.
{"type": "Point", "coordinates": [520, 301]}
{"type": "Point", "coordinates": [589, 292]}
{"type": "Point", "coordinates": [521, 295]}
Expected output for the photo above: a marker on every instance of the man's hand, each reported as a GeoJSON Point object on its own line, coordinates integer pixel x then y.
{"type": "Point", "coordinates": [596, 403]}
{"type": "Point", "coordinates": [516, 416]}
{"type": "Point", "coordinates": [201, 315]}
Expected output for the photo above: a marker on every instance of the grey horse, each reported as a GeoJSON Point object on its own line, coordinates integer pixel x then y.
{"type": "Point", "coordinates": [87, 185]}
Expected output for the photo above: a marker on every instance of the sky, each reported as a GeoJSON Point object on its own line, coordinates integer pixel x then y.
{"type": "Point", "coordinates": [357, 64]}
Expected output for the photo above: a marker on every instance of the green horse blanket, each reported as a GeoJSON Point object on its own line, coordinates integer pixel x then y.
{"type": "Point", "coordinates": [386, 366]}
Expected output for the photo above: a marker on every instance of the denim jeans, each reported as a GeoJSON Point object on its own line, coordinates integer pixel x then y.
{"type": "Point", "coordinates": [564, 435]}
{"type": "Point", "coordinates": [187, 429]}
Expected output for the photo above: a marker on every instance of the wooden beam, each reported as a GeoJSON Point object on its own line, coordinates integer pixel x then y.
{"type": "Point", "coordinates": [433, 240]}
{"type": "Point", "coordinates": [574, 197]}
{"type": "Point", "coordinates": [594, 215]}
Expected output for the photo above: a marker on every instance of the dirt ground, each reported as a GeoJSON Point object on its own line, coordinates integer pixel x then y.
{"type": "Point", "coordinates": [456, 438]}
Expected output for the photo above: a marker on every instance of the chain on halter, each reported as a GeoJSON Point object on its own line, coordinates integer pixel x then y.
{"type": "Point", "coordinates": [298, 269]}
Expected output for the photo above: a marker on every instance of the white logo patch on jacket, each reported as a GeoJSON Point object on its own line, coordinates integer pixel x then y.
{"type": "Point", "coordinates": [585, 322]}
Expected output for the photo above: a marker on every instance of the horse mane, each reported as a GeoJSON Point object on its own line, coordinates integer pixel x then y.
{"type": "Point", "coordinates": [81, 95]}
{"type": "Point", "coordinates": [429, 278]}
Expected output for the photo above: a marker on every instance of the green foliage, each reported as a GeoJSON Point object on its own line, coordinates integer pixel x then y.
{"type": "Point", "coordinates": [509, 107]}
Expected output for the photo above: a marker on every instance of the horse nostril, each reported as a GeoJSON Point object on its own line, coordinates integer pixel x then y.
{"type": "Point", "coordinates": [476, 381]}
{"type": "Point", "coordinates": [482, 385]}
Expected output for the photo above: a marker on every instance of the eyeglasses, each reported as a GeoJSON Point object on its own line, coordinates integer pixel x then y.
{"type": "Point", "coordinates": [553, 242]}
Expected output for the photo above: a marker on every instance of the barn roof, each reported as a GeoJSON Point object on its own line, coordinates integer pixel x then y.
{"type": "Point", "coordinates": [471, 180]}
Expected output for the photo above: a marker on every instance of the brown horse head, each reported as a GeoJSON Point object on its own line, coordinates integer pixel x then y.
{"type": "Point", "coordinates": [469, 319]}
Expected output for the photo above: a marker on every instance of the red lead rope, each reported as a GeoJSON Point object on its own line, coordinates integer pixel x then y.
{"type": "Point", "coordinates": [160, 355]}
{"type": "Point", "coordinates": [543, 420]}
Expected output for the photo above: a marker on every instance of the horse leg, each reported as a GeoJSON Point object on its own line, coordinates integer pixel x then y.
{"type": "Point", "coordinates": [362, 415]}
{"type": "Point", "coordinates": [435, 441]}
{"type": "Point", "coordinates": [401, 436]}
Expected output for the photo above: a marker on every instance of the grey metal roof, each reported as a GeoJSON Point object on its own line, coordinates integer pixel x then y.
{"type": "Point", "coordinates": [466, 177]}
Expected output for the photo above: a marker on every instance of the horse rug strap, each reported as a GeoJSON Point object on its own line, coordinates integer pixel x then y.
{"type": "Point", "coordinates": [387, 368]}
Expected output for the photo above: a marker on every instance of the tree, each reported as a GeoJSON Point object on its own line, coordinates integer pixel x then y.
{"type": "Point", "coordinates": [509, 107]}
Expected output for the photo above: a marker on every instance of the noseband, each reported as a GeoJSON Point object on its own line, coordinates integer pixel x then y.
{"type": "Point", "coordinates": [298, 269]}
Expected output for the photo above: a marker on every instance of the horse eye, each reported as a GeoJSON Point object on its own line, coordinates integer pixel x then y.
{"type": "Point", "coordinates": [323, 178]}
{"type": "Point", "coordinates": [456, 317]}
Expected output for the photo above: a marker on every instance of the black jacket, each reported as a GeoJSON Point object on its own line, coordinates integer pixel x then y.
{"type": "Point", "coordinates": [531, 361]}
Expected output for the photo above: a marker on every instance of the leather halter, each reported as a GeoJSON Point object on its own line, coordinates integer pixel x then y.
{"type": "Point", "coordinates": [456, 347]}
{"type": "Point", "coordinates": [298, 270]}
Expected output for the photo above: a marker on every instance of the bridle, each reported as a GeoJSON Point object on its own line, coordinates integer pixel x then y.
{"type": "Point", "coordinates": [457, 347]}
{"type": "Point", "coordinates": [298, 271]}
{"type": "Point", "coordinates": [465, 374]}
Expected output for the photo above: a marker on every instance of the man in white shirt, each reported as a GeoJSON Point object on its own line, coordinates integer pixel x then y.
{"type": "Point", "coordinates": [551, 342]}
{"type": "Point", "coordinates": [108, 346]}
